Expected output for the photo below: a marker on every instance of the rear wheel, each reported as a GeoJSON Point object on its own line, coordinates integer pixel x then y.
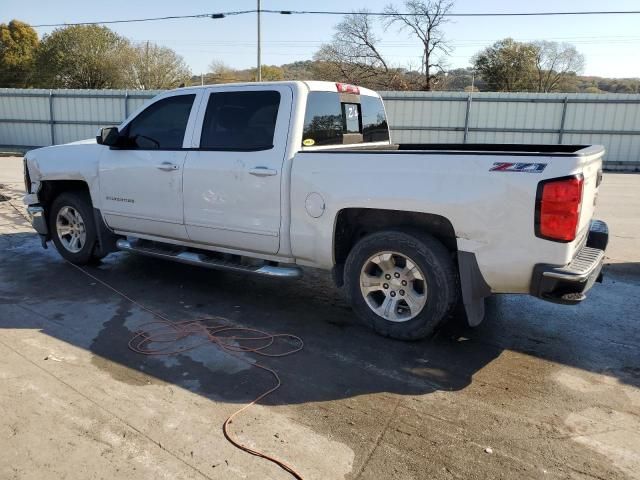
{"type": "Point", "coordinates": [73, 228]}
{"type": "Point", "coordinates": [402, 284]}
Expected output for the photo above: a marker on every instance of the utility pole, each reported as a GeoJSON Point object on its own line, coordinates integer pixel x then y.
{"type": "Point", "coordinates": [259, 69]}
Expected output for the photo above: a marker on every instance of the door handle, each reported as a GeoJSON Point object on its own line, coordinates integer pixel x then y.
{"type": "Point", "coordinates": [167, 167]}
{"type": "Point", "coordinates": [263, 172]}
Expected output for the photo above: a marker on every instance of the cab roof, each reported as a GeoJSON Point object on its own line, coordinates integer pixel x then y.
{"type": "Point", "coordinates": [310, 85]}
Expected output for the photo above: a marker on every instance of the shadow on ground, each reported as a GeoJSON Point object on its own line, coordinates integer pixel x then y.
{"type": "Point", "coordinates": [341, 359]}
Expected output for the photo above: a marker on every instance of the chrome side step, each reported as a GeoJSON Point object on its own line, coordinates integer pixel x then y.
{"type": "Point", "coordinates": [203, 260]}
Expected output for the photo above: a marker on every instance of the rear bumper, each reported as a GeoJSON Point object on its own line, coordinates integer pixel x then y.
{"type": "Point", "coordinates": [568, 284]}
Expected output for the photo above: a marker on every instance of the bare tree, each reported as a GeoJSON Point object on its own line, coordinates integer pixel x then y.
{"type": "Point", "coordinates": [554, 62]}
{"type": "Point", "coordinates": [354, 54]}
{"type": "Point", "coordinates": [155, 67]}
{"type": "Point", "coordinates": [220, 72]}
{"type": "Point", "coordinates": [424, 19]}
{"type": "Point", "coordinates": [356, 34]}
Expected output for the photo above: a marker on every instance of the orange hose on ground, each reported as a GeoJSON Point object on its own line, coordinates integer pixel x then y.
{"type": "Point", "coordinates": [166, 333]}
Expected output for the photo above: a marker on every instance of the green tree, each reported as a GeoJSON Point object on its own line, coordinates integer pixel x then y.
{"type": "Point", "coordinates": [270, 73]}
{"type": "Point", "coordinates": [153, 67]}
{"type": "Point", "coordinates": [300, 70]}
{"type": "Point", "coordinates": [83, 56]}
{"type": "Point", "coordinates": [508, 66]}
{"type": "Point", "coordinates": [592, 89]}
{"type": "Point", "coordinates": [18, 44]}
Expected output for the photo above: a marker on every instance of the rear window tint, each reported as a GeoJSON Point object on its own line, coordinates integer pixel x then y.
{"type": "Point", "coordinates": [327, 120]}
{"type": "Point", "coordinates": [374, 120]}
{"type": "Point", "coordinates": [323, 119]}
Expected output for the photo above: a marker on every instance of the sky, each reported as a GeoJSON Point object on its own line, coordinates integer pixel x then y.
{"type": "Point", "coordinates": [609, 43]}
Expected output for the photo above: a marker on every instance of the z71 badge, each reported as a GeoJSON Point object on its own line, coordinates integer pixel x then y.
{"type": "Point", "coordinates": [518, 167]}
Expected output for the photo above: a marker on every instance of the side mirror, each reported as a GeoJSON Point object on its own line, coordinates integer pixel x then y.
{"type": "Point", "coordinates": [107, 136]}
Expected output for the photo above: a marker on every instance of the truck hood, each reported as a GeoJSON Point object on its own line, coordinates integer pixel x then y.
{"type": "Point", "coordinates": [57, 148]}
{"type": "Point", "coordinates": [87, 141]}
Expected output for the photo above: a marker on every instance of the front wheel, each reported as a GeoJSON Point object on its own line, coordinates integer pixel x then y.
{"type": "Point", "coordinates": [402, 284]}
{"type": "Point", "coordinates": [73, 228]}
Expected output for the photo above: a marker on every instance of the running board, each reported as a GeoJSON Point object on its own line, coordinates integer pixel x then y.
{"type": "Point", "coordinates": [202, 260]}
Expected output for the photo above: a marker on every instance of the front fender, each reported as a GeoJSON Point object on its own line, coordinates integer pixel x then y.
{"type": "Point", "coordinates": [75, 161]}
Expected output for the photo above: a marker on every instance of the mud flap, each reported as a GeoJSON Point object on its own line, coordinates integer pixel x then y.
{"type": "Point", "coordinates": [473, 287]}
{"type": "Point", "coordinates": [106, 238]}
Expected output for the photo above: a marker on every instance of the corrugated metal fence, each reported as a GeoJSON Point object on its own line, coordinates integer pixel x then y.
{"type": "Point", "coordinates": [31, 118]}
{"type": "Point", "coordinates": [612, 120]}
{"type": "Point", "coordinates": [34, 118]}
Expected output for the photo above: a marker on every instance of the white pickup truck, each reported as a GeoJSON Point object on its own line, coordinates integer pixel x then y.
{"type": "Point", "coordinates": [265, 178]}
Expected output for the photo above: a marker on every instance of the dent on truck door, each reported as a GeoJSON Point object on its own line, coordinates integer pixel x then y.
{"type": "Point", "coordinates": [232, 181]}
{"type": "Point", "coordinates": [141, 183]}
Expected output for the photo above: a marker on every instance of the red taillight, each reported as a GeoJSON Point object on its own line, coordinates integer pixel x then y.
{"type": "Point", "coordinates": [346, 88]}
{"type": "Point", "coordinates": [558, 208]}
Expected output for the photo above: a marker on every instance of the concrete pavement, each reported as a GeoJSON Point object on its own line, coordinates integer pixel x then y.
{"type": "Point", "coordinates": [550, 391]}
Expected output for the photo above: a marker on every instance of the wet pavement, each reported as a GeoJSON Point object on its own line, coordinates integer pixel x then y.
{"type": "Point", "coordinates": [537, 391]}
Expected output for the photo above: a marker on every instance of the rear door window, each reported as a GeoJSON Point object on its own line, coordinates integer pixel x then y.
{"type": "Point", "coordinates": [240, 120]}
{"type": "Point", "coordinates": [161, 125]}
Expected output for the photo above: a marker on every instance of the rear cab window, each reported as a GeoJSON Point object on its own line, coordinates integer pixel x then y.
{"type": "Point", "coordinates": [333, 118]}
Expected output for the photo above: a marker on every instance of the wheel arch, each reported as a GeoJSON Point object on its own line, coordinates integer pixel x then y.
{"type": "Point", "coordinates": [352, 224]}
{"type": "Point", "coordinates": [50, 189]}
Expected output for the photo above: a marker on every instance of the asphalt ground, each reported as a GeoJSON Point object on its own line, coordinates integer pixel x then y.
{"type": "Point", "coordinates": [537, 391]}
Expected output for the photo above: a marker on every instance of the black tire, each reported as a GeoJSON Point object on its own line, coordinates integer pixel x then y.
{"type": "Point", "coordinates": [81, 203]}
{"type": "Point", "coordinates": [436, 265]}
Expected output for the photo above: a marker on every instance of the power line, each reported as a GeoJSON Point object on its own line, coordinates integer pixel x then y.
{"type": "Point", "coordinates": [452, 14]}
{"type": "Point", "coordinates": [330, 12]}
{"type": "Point", "coordinates": [150, 19]}
{"type": "Point", "coordinates": [187, 45]}
{"type": "Point", "coordinates": [484, 40]}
